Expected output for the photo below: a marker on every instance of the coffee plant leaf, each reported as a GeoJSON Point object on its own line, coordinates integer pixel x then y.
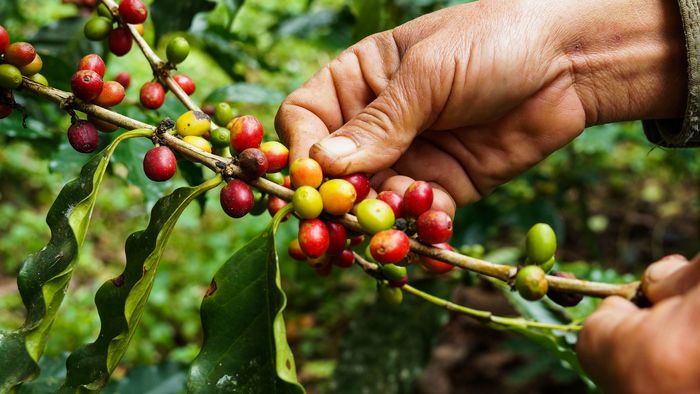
{"type": "Point", "coordinates": [171, 16]}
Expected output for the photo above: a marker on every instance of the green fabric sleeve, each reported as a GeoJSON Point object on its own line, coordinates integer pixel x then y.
{"type": "Point", "coordinates": [683, 132]}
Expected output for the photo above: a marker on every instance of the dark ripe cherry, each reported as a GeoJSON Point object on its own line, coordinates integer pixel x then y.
{"type": "Point", "coordinates": [124, 79]}
{"type": "Point", "coordinates": [434, 226]}
{"type": "Point", "coordinates": [83, 136]}
{"type": "Point", "coordinates": [236, 198]}
{"type": "Point", "coordinates": [4, 40]}
{"type": "Point", "coordinates": [394, 201]}
{"type": "Point", "coordinates": [345, 259]}
{"type": "Point", "coordinates": [5, 111]}
{"type": "Point", "coordinates": [564, 299]}
{"type": "Point", "coordinates": [435, 266]}
{"type": "Point", "coordinates": [159, 164]}
{"type": "Point", "coordinates": [337, 236]}
{"type": "Point", "coordinates": [356, 240]}
{"type": "Point", "coordinates": [120, 41]}
{"type": "Point", "coordinates": [111, 95]}
{"type": "Point", "coordinates": [186, 83]}
{"type": "Point", "coordinates": [389, 246]}
{"type": "Point", "coordinates": [361, 184]}
{"type": "Point", "coordinates": [417, 199]}
{"type": "Point", "coordinates": [313, 237]}
{"type": "Point", "coordinates": [20, 54]}
{"type": "Point", "coordinates": [86, 85]}
{"type": "Point", "coordinates": [93, 62]}
{"type": "Point", "coordinates": [209, 109]}
{"type": "Point", "coordinates": [152, 95]}
{"type": "Point", "coordinates": [253, 163]}
{"type": "Point", "coordinates": [133, 11]}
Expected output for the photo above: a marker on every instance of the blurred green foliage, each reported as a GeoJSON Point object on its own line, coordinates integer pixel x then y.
{"type": "Point", "coordinates": [615, 200]}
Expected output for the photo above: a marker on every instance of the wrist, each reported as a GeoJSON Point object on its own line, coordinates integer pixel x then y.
{"type": "Point", "coordinates": [627, 58]}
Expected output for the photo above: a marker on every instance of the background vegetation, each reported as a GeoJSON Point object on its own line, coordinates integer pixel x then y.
{"type": "Point", "coordinates": [616, 202]}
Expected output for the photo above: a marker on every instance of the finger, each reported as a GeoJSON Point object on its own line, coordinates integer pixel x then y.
{"type": "Point", "coordinates": [669, 277]}
{"type": "Point", "coordinates": [441, 199]}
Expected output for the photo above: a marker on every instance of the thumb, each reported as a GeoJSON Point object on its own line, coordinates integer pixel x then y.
{"type": "Point", "coordinates": [671, 276]}
{"type": "Point", "coordinates": [376, 137]}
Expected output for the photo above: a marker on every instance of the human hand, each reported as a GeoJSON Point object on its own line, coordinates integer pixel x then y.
{"type": "Point", "coordinates": [630, 350]}
{"type": "Point", "coordinates": [472, 95]}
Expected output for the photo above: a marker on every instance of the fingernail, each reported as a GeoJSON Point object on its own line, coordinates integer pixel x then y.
{"type": "Point", "coordinates": [338, 146]}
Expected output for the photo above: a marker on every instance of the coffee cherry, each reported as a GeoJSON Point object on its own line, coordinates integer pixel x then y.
{"type": "Point", "coordinates": [356, 240]}
{"type": "Point", "coordinates": [417, 199]}
{"type": "Point", "coordinates": [277, 155]}
{"type": "Point", "coordinates": [434, 226]}
{"type": "Point", "coordinates": [276, 177]}
{"type": "Point", "coordinates": [32, 68]}
{"type": "Point", "coordinates": [193, 123]}
{"type": "Point", "coordinates": [101, 125]}
{"type": "Point", "coordinates": [274, 204]}
{"type": "Point", "coordinates": [436, 266]}
{"type": "Point", "coordinates": [287, 182]}
{"type": "Point", "coordinates": [133, 11]}
{"type": "Point", "coordinates": [124, 79]}
{"type": "Point", "coordinates": [531, 282]}
{"type": "Point", "coordinates": [253, 163]}
{"type": "Point", "coordinates": [399, 283]}
{"type": "Point", "coordinates": [186, 83]}
{"type": "Point", "coordinates": [246, 132]}
{"type": "Point", "coordinates": [307, 202]}
{"type": "Point", "coordinates": [337, 237]}
{"type": "Point", "coordinates": [4, 40]}
{"type": "Point", "coordinates": [40, 79]}
{"type": "Point", "coordinates": [338, 196]}
{"type": "Point", "coordinates": [361, 184]}
{"type": "Point", "coordinates": [208, 109]}
{"type": "Point", "coordinates": [313, 237]}
{"type": "Point", "coordinates": [97, 28]}
{"type": "Point", "coordinates": [260, 204]}
{"type": "Point", "coordinates": [540, 243]}
{"type": "Point", "coordinates": [236, 198]}
{"type": "Point", "coordinates": [140, 28]}
{"type": "Point", "coordinates": [120, 41]}
{"type": "Point", "coordinates": [305, 171]}
{"type": "Point", "coordinates": [104, 12]}
{"type": "Point", "coordinates": [221, 138]}
{"type": "Point", "coordinates": [374, 215]}
{"type": "Point", "coordinates": [223, 113]}
{"type": "Point", "coordinates": [83, 136]}
{"type": "Point", "coordinates": [295, 252]}
{"type": "Point", "coordinates": [390, 295]}
{"type": "Point", "coordinates": [389, 246]}
{"type": "Point", "coordinates": [548, 265]}
{"type": "Point", "coordinates": [5, 110]}
{"type": "Point", "coordinates": [20, 54]}
{"type": "Point", "coordinates": [159, 164]}
{"type": "Point", "coordinates": [324, 268]}
{"type": "Point", "coordinates": [152, 95]}
{"type": "Point", "coordinates": [111, 95]}
{"type": "Point", "coordinates": [86, 85]}
{"type": "Point", "coordinates": [394, 201]}
{"type": "Point", "coordinates": [393, 272]}
{"type": "Point", "coordinates": [198, 142]}
{"type": "Point", "coordinates": [345, 259]}
{"type": "Point", "coordinates": [10, 76]}
{"type": "Point", "coordinates": [564, 299]}
{"type": "Point", "coordinates": [177, 50]}
{"type": "Point", "coordinates": [92, 62]}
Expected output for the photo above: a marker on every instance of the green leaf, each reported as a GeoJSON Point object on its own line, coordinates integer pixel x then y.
{"type": "Point", "coordinates": [170, 15]}
{"type": "Point", "coordinates": [131, 155]}
{"type": "Point", "coordinates": [44, 277]}
{"type": "Point", "coordinates": [121, 301]}
{"type": "Point", "coordinates": [245, 348]}
{"type": "Point", "coordinates": [167, 378]}
{"type": "Point", "coordinates": [246, 93]}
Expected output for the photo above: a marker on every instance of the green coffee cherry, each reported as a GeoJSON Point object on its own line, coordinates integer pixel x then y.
{"type": "Point", "coordinates": [97, 28]}
{"type": "Point", "coordinates": [223, 113]}
{"type": "Point", "coordinates": [38, 78]}
{"type": "Point", "coordinates": [368, 255]}
{"type": "Point", "coordinates": [276, 177]}
{"type": "Point", "coordinates": [220, 137]}
{"type": "Point", "coordinates": [393, 271]}
{"type": "Point", "coordinates": [259, 205]}
{"type": "Point", "coordinates": [375, 215]}
{"type": "Point", "coordinates": [103, 11]}
{"type": "Point", "coordinates": [540, 243]}
{"type": "Point", "coordinates": [10, 76]}
{"type": "Point", "coordinates": [177, 50]}
{"type": "Point", "coordinates": [390, 295]}
{"type": "Point", "coordinates": [307, 202]}
{"type": "Point", "coordinates": [531, 282]}
{"type": "Point", "coordinates": [548, 265]}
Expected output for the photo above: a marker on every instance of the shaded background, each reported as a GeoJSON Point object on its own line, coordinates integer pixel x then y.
{"type": "Point", "coordinates": [616, 202]}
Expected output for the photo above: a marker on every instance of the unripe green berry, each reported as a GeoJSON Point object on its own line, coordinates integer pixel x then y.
{"type": "Point", "coordinates": [103, 11]}
{"type": "Point", "coordinates": [390, 295]}
{"type": "Point", "coordinates": [276, 177]}
{"type": "Point", "coordinates": [10, 76]}
{"type": "Point", "coordinates": [177, 50]}
{"type": "Point", "coordinates": [548, 265]}
{"type": "Point", "coordinates": [540, 243]}
{"type": "Point", "coordinates": [97, 28]}
{"type": "Point", "coordinates": [375, 215]}
{"type": "Point", "coordinates": [40, 79]}
{"type": "Point", "coordinates": [220, 137]}
{"type": "Point", "coordinates": [531, 282]}
{"type": "Point", "coordinates": [223, 113]}
{"type": "Point", "coordinates": [307, 202]}
{"type": "Point", "coordinates": [393, 271]}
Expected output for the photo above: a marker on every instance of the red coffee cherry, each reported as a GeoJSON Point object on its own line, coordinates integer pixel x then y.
{"type": "Point", "coordinates": [295, 252]}
{"type": "Point", "coordinates": [20, 54]}
{"type": "Point", "coordinates": [111, 95]}
{"type": "Point", "coordinates": [435, 266]}
{"type": "Point", "coordinates": [287, 182]}
{"type": "Point", "coordinates": [133, 11]}
{"type": "Point", "coordinates": [394, 201]}
{"type": "Point", "coordinates": [356, 240]}
{"type": "Point", "coordinates": [313, 237]}
{"type": "Point", "coordinates": [159, 164]}
{"type": "Point", "coordinates": [417, 199]}
{"type": "Point", "coordinates": [246, 132]}
{"type": "Point", "coordinates": [86, 85]}
{"type": "Point", "coordinates": [434, 226]}
{"type": "Point", "coordinates": [152, 95]}
{"type": "Point", "coordinates": [186, 83]}
{"type": "Point", "coordinates": [337, 237]}
{"type": "Point", "coordinates": [4, 40]}
{"type": "Point", "coordinates": [124, 79]}
{"type": "Point", "coordinates": [345, 259]}
{"type": "Point", "coordinates": [83, 136]}
{"type": "Point", "coordinates": [274, 204]}
{"type": "Point", "coordinates": [236, 198]}
{"type": "Point", "coordinates": [253, 163]}
{"type": "Point", "coordinates": [277, 155]}
{"type": "Point", "coordinates": [209, 110]}
{"type": "Point", "coordinates": [93, 62]}
{"type": "Point", "coordinates": [120, 41]}
{"type": "Point", "coordinates": [361, 184]}
{"type": "Point", "coordinates": [5, 110]}
{"type": "Point", "coordinates": [389, 246]}
{"type": "Point", "coordinates": [564, 299]}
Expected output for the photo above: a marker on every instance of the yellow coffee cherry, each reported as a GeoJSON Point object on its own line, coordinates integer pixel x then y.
{"type": "Point", "coordinates": [338, 196]}
{"type": "Point", "coordinates": [199, 142]}
{"type": "Point", "coordinates": [193, 123]}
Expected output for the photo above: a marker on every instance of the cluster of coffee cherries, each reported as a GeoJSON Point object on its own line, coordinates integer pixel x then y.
{"type": "Point", "coordinates": [16, 60]}
{"type": "Point", "coordinates": [152, 94]}
{"type": "Point", "coordinates": [531, 281]}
